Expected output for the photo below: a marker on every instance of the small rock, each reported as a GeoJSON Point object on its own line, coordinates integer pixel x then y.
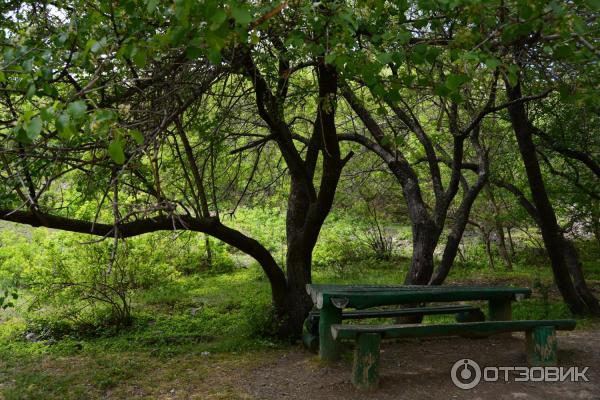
{"type": "Point", "coordinates": [195, 311]}
{"type": "Point", "coordinates": [32, 337]}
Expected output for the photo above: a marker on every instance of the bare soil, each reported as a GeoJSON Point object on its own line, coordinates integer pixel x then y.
{"type": "Point", "coordinates": [420, 369]}
{"type": "Point", "coordinates": [410, 369]}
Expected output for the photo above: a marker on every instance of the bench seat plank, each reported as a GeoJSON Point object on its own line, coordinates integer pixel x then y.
{"type": "Point", "coordinates": [345, 331]}
{"type": "Point", "coordinates": [364, 314]}
{"type": "Point", "coordinates": [366, 296]}
{"type": "Point", "coordinates": [540, 346]}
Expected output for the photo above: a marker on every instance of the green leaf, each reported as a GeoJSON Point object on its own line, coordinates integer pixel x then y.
{"type": "Point", "coordinates": [513, 75]}
{"type": "Point", "coordinates": [241, 15]}
{"type": "Point", "coordinates": [151, 5]}
{"type": "Point", "coordinates": [217, 19]}
{"type": "Point", "coordinates": [193, 52]}
{"type": "Point", "coordinates": [139, 57]}
{"type": "Point", "coordinates": [492, 63]}
{"type": "Point", "coordinates": [77, 109]}
{"type": "Point", "coordinates": [384, 58]}
{"type": "Point", "coordinates": [330, 58]}
{"type": "Point", "coordinates": [28, 65]}
{"type": "Point", "coordinates": [404, 37]}
{"type": "Point", "coordinates": [98, 45]}
{"type": "Point", "coordinates": [115, 151]}
{"type": "Point", "coordinates": [104, 115]}
{"type": "Point", "coordinates": [49, 90]}
{"type": "Point", "coordinates": [593, 4]}
{"type": "Point", "coordinates": [442, 90]}
{"type": "Point", "coordinates": [137, 136]}
{"type": "Point", "coordinates": [33, 128]}
{"type": "Point", "coordinates": [21, 134]}
{"type": "Point", "coordinates": [214, 56]}
{"type": "Point", "coordinates": [47, 114]}
{"type": "Point", "coordinates": [525, 11]}
{"type": "Point", "coordinates": [63, 126]}
{"type": "Point", "coordinates": [454, 81]}
{"type": "Point", "coordinates": [31, 89]}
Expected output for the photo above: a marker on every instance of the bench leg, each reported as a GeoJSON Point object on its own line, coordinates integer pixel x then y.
{"type": "Point", "coordinates": [329, 349]}
{"type": "Point", "coordinates": [541, 346]}
{"type": "Point", "coordinates": [500, 310]}
{"type": "Point", "coordinates": [365, 370]}
{"type": "Point", "coordinates": [311, 342]}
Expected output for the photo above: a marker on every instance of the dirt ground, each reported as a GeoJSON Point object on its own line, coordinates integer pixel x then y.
{"type": "Point", "coordinates": [420, 369]}
{"type": "Point", "coordinates": [410, 369]}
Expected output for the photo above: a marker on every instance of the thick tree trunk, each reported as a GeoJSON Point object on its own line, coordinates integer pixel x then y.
{"type": "Point", "coordinates": [298, 260]}
{"type": "Point", "coordinates": [572, 261]}
{"type": "Point", "coordinates": [425, 238]}
{"type": "Point", "coordinates": [298, 302]}
{"type": "Point", "coordinates": [461, 218]}
{"type": "Point", "coordinates": [307, 209]}
{"type": "Point", "coordinates": [546, 217]}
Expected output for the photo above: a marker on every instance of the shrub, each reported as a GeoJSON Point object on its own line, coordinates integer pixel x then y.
{"type": "Point", "coordinates": [87, 286]}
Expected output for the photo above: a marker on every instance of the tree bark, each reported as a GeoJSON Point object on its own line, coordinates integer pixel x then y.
{"type": "Point", "coordinates": [510, 241]}
{"type": "Point", "coordinates": [555, 245]}
{"type": "Point", "coordinates": [307, 207]}
{"type": "Point", "coordinates": [211, 226]}
{"type": "Point", "coordinates": [499, 231]}
{"type": "Point", "coordinates": [426, 226]}
{"type": "Point", "coordinates": [425, 238]}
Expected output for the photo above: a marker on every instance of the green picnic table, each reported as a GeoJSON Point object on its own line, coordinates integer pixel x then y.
{"type": "Point", "coordinates": [330, 300]}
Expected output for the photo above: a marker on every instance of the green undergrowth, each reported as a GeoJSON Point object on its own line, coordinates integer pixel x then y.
{"type": "Point", "coordinates": [183, 317]}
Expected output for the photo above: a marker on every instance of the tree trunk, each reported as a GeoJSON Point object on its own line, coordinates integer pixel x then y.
{"type": "Point", "coordinates": [209, 260]}
{"type": "Point", "coordinates": [458, 229]}
{"type": "Point", "coordinates": [425, 238]}
{"type": "Point", "coordinates": [488, 246]}
{"type": "Point", "coordinates": [299, 304]}
{"type": "Point", "coordinates": [298, 260]}
{"type": "Point", "coordinates": [596, 229]}
{"type": "Point", "coordinates": [510, 241]}
{"type": "Point", "coordinates": [500, 231]}
{"type": "Point", "coordinates": [502, 246]}
{"type": "Point", "coordinates": [546, 216]}
{"type": "Point", "coordinates": [572, 261]}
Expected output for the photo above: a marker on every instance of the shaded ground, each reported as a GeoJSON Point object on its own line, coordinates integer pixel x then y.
{"type": "Point", "coordinates": [410, 369]}
{"type": "Point", "coordinates": [420, 369]}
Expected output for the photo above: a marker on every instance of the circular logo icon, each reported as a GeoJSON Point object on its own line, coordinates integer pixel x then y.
{"type": "Point", "coordinates": [465, 374]}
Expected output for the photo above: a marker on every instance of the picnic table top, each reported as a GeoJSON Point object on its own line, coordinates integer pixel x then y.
{"type": "Point", "coordinates": [365, 296]}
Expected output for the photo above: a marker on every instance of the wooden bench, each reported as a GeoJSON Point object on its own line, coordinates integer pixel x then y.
{"type": "Point", "coordinates": [540, 341]}
{"type": "Point", "coordinates": [463, 313]}
{"type": "Point", "coordinates": [330, 300]}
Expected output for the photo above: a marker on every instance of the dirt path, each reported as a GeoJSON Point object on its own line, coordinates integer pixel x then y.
{"type": "Point", "coordinates": [410, 369]}
{"type": "Point", "coordinates": [420, 369]}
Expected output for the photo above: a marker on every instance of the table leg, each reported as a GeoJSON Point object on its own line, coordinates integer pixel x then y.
{"type": "Point", "coordinates": [329, 349]}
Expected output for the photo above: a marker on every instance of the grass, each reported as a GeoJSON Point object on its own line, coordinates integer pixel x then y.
{"type": "Point", "coordinates": [194, 330]}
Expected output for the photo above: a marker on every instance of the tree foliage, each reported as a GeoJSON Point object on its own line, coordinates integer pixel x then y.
{"type": "Point", "coordinates": [118, 119]}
